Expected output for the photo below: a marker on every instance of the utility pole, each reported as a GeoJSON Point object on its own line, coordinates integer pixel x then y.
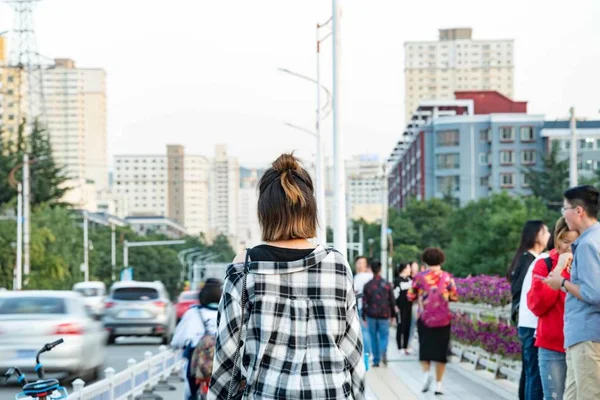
{"type": "Point", "coordinates": [26, 218]}
{"type": "Point", "coordinates": [339, 232]}
{"type": "Point", "coordinates": [86, 242]}
{"type": "Point", "coordinates": [113, 251]}
{"type": "Point", "coordinates": [320, 163]}
{"type": "Point", "coordinates": [384, 225]}
{"type": "Point", "coordinates": [573, 160]}
{"type": "Point", "coordinates": [18, 285]}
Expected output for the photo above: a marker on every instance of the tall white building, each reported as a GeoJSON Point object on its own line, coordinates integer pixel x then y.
{"type": "Point", "coordinates": [173, 185]}
{"type": "Point", "coordinates": [434, 70]}
{"type": "Point", "coordinates": [248, 230]}
{"type": "Point", "coordinates": [75, 102]}
{"type": "Point", "coordinates": [224, 191]}
{"type": "Point", "coordinates": [364, 187]}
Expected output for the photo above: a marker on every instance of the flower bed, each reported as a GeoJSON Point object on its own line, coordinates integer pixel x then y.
{"type": "Point", "coordinates": [483, 289]}
{"type": "Point", "coordinates": [493, 337]}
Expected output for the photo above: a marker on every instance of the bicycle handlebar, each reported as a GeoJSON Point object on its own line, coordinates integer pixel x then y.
{"type": "Point", "coordinates": [47, 347]}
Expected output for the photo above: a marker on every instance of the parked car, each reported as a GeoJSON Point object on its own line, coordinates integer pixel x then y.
{"type": "Point", "coordinates": [186, 300]}
{"type": "Point", "coordinates": [139, 309]}
{"type": "Point", "coordinates": [30, 319]}
{"type": "Point", "coordinates": [94, 294]}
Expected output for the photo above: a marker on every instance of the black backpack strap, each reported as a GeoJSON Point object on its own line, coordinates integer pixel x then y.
{"type": "Point", "coordinates": [548, 262]}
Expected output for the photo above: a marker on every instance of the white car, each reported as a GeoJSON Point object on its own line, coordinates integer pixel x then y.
{"type": "Point", "coordinates": [94, 294]}
{"type": "Point", "coordinates": [30, 319]}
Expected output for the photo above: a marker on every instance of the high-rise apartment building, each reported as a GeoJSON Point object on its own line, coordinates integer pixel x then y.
{"type": "Point", "coordinates": [174, 185]}
{"type": "Point", "coordinates": [12, 96]}
{"type": "Point", "coordinates": [75, 104]}
{"type": "Point", "coordinates": [364, 186]}
{"type": "Point", "coordinates": [434, 70]}
{"type": "Point", "coordinates": [224, 190]}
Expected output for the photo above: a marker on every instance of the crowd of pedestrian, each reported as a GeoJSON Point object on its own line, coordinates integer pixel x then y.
{"type": "Point", "coordinates": [294, 322]}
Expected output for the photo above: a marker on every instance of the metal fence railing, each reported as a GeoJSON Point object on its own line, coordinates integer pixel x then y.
{"type": "Point", "coordinates": [137, 379]}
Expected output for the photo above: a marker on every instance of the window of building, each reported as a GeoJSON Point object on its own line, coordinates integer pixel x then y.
{"type": "Point", "coordinates": [448, 183]}
{"type": "Point", "coordinates": [448, 161]}
{"type": "Point", "coordinates": [507, 180]}
{"type": "Point", "coordinates": [567, 144]}
{"type": "Point", "coordinates": [525, 181]}
{"type": "Point", "coordinates": [527, 134]}
{"type": "Point", "coordinates": [586, 144]}
{"type": "Point", "coordinates": [507, 157]}
{"type": "Point", "coordinates": [484, 181]}
{"type": "Point", "coordinates": [507, 134]}
{"type": "Point", "coordinates": [484, 135]}
{"type": "Point", "coordinates": [447, 138]}
{"type": "Point", "coordinates": [528, 157]}
{"type": "Point", "coordinates": [484, 158]}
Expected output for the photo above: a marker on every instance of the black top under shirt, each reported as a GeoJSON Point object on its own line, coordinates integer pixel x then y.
{"type": "Point", "coordinates": [265, 252]}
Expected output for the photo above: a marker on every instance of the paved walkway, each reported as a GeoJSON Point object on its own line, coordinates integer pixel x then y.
{"type": "Point", "coordinates": [403, 379]}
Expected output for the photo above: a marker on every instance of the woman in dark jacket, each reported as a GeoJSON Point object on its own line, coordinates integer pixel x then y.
{"type": "Point", "coordinates": [402, 284]}
{"type": "Point", "coordinates": [534, 240]}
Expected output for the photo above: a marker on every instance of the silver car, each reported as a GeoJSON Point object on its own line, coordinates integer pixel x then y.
{"type": "Point", "coordinates": [139, 309]}
{"type": "Point", "coordinates": [30, 319]}
{"type": "Point", "coordinates": [94, 294]}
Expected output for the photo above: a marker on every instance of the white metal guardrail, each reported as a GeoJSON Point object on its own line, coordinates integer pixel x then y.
{"type": "Point", "coordinates": [481, 359]}
{"type": "Point", "coordinates": [138, 379]}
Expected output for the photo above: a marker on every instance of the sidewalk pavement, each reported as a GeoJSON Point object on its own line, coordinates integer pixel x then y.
{"type": "Point", "coordinates": [403, 379]}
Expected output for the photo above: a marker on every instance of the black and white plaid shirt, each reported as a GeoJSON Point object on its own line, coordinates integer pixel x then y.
{"type": "Point", "coordinates": [302, 338]}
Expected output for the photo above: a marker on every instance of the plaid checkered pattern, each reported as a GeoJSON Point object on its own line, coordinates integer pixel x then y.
{"type": "Point", "coordinates": [302, 339]}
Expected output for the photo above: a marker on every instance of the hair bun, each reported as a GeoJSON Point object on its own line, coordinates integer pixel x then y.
{"type": "Point", "coordinates": [286, 162]}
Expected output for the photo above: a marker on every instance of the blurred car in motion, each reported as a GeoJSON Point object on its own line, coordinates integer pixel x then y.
{"type": "Point", "coordinates": [186, 300]}
{"type": "Point", "coordinates": [29, 319]}
{"type": "Point", "coordinates": [94, 294]}
{"type": "Point", "coordinates": [139, 309]}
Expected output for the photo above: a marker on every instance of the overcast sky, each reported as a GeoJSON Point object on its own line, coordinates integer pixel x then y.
{"type": "Point", "coordinates": [198, 73]}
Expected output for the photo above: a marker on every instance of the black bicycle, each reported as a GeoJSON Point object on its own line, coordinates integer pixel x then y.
{"type": "Point", "coordinates": [44, 389]}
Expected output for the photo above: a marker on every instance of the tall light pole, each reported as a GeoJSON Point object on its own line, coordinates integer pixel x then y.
{"type": "Point", "coordinates": [26, 218]}
{"type": "Point", "coordinates": [319, 163]}
{"type": "Point", "coordinates": [573, 160]}
{"type": "Point", "coordinates": [339, 186]}
{"type": "Point", "coordinates": [86, 248]}
{"type": "Point", "coordinates": [384, 224]}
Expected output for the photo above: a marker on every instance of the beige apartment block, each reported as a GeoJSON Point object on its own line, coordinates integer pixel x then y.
{"type": "Point", "coordinates": [434, 70]}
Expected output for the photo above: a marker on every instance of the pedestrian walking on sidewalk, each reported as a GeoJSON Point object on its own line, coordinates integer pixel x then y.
{"type": "Point", "coordinates": [378, 310]}
{"type": "Point", "coordinates": [403, 306]}
{"type": "Point", "coordinates": [288, 325]}
{"type": "Point", "coordinates": [363, 275]}
{"type": "Point", "coordinates": [434, 289]}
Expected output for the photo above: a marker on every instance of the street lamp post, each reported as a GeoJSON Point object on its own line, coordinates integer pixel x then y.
{"type": "Point", "coordinates": [319, 163]}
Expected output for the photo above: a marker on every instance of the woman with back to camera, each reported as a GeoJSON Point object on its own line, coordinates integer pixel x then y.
{"type": "Point", "coordinates": [534, 239]}
{"type": "Point", "coordinates": [288, 326]}
{"type": "Point", "coordinates": [434, 289]}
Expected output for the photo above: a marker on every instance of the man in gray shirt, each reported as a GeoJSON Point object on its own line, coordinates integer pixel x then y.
{"type": "Point", "coordinates": [582, 307]}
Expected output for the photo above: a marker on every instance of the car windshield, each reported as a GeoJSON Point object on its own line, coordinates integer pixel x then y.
{"type": "Point", "coordinates": [135, 293]}
{"type": "Point", "coordinates": [32, 305]}
{"type": "Point", "coordinates": [188, 296]}
{"type": "Point", "coordinates": [89, 292]}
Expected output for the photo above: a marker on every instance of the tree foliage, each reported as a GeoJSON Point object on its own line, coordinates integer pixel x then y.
{"type": "Point", "coordinates": [549, 182]}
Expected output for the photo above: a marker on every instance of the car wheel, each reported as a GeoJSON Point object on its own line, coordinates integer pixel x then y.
{"type": "Point", "coordinates": [111, 339]}
{"type": "Point", "coordinates": [166, 339]}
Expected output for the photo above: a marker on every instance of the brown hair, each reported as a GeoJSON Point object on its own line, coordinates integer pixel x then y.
{"type": "Point", "coordinates": [560, 229]}
{"type": "Point", "coordinates": [433, 256]}
{"type": "Point", "coordinates": [287, 208]}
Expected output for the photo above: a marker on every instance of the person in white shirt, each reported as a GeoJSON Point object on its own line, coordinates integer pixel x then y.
{"type": "Point", "coordinates": [191, 328]}
{"type": "Point", "coordinates": [363, 275]}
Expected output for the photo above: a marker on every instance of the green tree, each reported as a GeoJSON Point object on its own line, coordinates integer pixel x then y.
{"type": "Point", "coordinates": [47, 178]}
{"type": "Point", "coordinates": [486, 233]}
{"type": "Point", "coordinates": [222, 248]}
{"type": "Point", "coordinates": [550, 181]}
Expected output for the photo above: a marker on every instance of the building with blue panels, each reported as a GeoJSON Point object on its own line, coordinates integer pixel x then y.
{"type": "Point", "coordinates": [466, 148]}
